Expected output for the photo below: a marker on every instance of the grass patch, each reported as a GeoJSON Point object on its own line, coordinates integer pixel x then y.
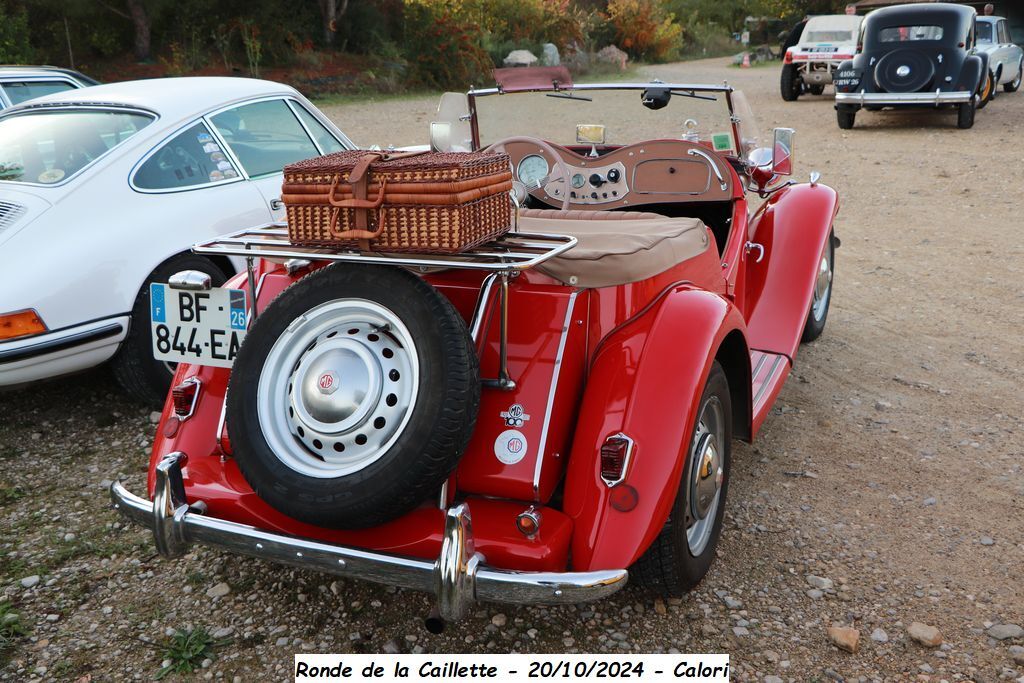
{"type": "Point", "coordinates": [186, 651]}
{"type": "Point", "coordinates": [10, 494]}
{"type": "Point", "coordinates": [11, 629]}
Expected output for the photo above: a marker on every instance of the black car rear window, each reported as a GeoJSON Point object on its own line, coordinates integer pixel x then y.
{"type": "Point", "coordinates": [903, 34]}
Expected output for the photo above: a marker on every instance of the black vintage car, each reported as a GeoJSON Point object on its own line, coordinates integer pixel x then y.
{"type": "Point", "coordinates": [913, 56]}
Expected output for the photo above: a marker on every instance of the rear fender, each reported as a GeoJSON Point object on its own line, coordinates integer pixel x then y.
{"type": "Point", "coordinates": [973, 73]}
{"type": "Point", "coordinates": [646, 381]}
{"type": "Point", "coordinates": [792, 227]}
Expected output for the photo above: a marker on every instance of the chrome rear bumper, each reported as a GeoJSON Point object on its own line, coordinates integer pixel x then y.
{"type": "Point", "coordinates": [458, 577]}
{"type": "Point", "coordinates": [896, 98]}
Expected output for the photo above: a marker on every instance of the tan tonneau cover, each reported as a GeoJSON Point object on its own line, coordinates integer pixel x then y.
{"type": "Point", "coordinates": [616, 248]}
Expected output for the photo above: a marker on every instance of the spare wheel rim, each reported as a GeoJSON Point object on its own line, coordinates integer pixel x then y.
{"type": "Point", "coordinates": [337, 388]}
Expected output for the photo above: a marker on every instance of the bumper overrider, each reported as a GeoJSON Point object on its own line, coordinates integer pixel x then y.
{"type": "Point", "coordinates": [458, 577]}
{"type": "Point", "coordinates": [897, 98]}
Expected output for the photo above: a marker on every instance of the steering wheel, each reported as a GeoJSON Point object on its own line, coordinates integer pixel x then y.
{"type": "Point", "coordinates": [563, 171]}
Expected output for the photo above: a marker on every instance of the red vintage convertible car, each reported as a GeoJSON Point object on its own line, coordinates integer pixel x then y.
{"type": "Point", "coordinates": [575, 386]}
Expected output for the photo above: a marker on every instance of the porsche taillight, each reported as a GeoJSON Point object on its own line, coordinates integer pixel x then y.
{"type": "Point", "coordinates": [615, 456]}
{"type": "Point", "coordinates": [788, 58]}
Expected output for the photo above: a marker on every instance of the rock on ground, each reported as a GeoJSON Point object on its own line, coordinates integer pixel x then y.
{"type": "Point", "coordinates": [520, 58]}
{"type": "Point", "coordinates": [924, 634]}
{"type": "Point", "coordinates": [844, 638]}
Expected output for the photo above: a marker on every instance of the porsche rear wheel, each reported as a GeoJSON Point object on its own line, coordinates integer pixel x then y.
{"type": "Point", "coordinates": [821, 297]}
{"type": "Point", "coordinates": [790, 83]}
{"type": "Point", "coordinates": [353, 396]}
{"type": "Point", "coordinates": [965, 115]}
{"type": "Point", "coordinates": [142, 376]}
{"type": "Point", "coordinates": [682, 554]}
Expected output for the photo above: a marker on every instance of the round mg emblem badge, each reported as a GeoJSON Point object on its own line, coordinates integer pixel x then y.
{"type": "Point", "coordinates": [327, 383]}
{"type": "Point", "coordinates": [510, 446]}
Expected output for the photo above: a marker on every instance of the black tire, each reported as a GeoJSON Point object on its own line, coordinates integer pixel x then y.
{"type": "Point", "coordinates": [816, 320]}
{"type": "Point", "coordinates": [426, 450]}
{"type": "Point", "coordinates": [846, 118]}
{"type": "Point", "coordinates": [816, 89]}
{"type": "Point", "coordinates": [790, 83]}
{"type": "Point", "coordinates": [668, 568]}
{"type": "Point", "coordinates": [988, 90]}
{"type": "Point", "coordinates": [141, 375]}
{"type": "Point", "coordinates": [1014, 85]}
{"type": "Point", "coordinates": [965, 115]}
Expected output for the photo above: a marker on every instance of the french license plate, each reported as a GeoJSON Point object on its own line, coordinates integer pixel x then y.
{"type": "Point", "coordinates": [198, 327]}
{"type": "Point", "coordinates": [824, 48]}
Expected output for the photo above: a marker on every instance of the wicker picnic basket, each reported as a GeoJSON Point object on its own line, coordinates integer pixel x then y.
{"type": "Point", "coordinates": [429, 202]}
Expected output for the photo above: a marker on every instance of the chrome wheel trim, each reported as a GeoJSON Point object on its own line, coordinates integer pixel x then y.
{"type": "Point", "coordinates": [822, 283]}
{"type": "Point", "coordinates": [705, 476]}
{"type": "Point", "coordinates": [1020, 74]}
{"type": "Point", "coordinates": [329, 428]}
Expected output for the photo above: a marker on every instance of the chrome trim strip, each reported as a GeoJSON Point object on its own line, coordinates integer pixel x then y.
{"type": "Point", "coordinates": [458, 577]}
{"type": "Point", "coordinates": [760, 363]}
{"type": "Point", "coordinates": [54, 345]}
{"type": "Point", "coordinates": [936, 97]}
{"type": "Point", "coordinates": [764, 385]}
{"type": "Point", "coordinates": [555, 372]}
{"type": "Point", "coordinates": [692, 87]}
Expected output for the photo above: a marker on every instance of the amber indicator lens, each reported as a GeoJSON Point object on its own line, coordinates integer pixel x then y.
{"type": "Point", "coordinates": [21, 324]}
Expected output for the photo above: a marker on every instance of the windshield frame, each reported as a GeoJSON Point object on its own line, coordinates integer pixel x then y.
{"type": "Point", "coordinates": [29, 109]}
{"type": "Point", "coordinates": [694, 88]}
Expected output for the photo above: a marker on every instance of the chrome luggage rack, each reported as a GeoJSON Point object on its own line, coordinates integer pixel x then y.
{"type": "Point", "coordinates": [504, 257]}
{"type": "Point", "coordinates": [513, 252]}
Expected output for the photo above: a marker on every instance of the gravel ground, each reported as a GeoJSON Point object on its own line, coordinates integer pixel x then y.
{"type": "Point", "coordinates": [884, 495]}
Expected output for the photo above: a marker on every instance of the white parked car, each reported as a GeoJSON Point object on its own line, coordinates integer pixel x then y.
{"type": "Point", "coordinates": [104, 190]}
{"type": "Point", "coordinates": [1005, 59]}
{"type": "Point", "coordinates": [22, 83]}
{"type": "Point", "coordinates": [825, 43]}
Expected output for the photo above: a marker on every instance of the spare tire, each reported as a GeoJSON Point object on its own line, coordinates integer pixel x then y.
{"type": "Point", "coordinates": [904, 71]}
{"type": "Point", "coordinates": [353, 396]}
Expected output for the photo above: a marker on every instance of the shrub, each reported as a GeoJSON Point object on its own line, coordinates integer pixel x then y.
{"type": "Point", "coordinates": [14, 45]}
{"type": "Point", "coordinates": [645, 29]}
{"type": "Point", "coordinates": [442, 49]}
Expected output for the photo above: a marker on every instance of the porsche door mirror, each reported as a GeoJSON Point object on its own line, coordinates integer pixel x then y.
{"type": "Point", "coordinates": [782, 151]}
{"type": "Point", "coordinates": [451, 131]}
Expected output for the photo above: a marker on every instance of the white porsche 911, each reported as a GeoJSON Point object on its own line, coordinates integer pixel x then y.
{"type": "Point", "coordinates": [104, 190]}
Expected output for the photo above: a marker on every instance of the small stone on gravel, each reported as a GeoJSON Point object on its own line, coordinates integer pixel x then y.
{"type": "Point", "coordinates": [844, 638]}
{"type": "Point", "coordinates": [820, 582]}
{"type": "Point", "coordinates": [499, 620]}
{"type": "Point", "coordinates": [30, 581]}
{"type": "Point", "coordinates": [731, 602]}
{"type": "Point", "coordinates": [1005, 631]}
{"type": "Point", "coordinates": [879, 636]}
{"type": "Point", "coordinates": [987, 540]}
{"type": "Point", "coordinates": [815, 594]}
{"type": "Point", "coordinates": [1017, 652]}
{"type": "Point", "coordinates": [218, 591]}
{"type": "Point", "coordinates": [924, 634]}
{"type": "Point", "coordinates": [154, 417]}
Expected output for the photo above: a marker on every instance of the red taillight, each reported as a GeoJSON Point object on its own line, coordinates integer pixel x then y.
{"type": "Point", "coordinates": [789, 57]}
{"type": "Point", "coordinates": [615, 455]}
{"type": "Point", "coordinates": [184, 397]}
{"type": "Point", "coordinates": [623, 498]}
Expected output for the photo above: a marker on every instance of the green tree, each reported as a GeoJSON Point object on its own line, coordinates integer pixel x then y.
{"type": "Point", "coordinates": [14, 41]}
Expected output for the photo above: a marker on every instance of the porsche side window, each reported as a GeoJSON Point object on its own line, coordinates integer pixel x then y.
{"type": "Point", "coordinates": [22, 91]}
{"type": "Point", "coordinates": [190, 158]}
{"type": "Point", "coordinates": [327, 142]}
{"type": "Point", "coordinates": [264, 136]}
{"type": "Point", "coordinates": [902, 34]}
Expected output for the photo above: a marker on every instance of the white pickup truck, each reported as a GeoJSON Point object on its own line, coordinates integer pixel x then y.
{"type": "Point", "coordinates": [825, 43]}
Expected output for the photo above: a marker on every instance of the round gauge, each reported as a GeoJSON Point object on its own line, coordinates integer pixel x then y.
{"type": "Point", "coordinates": [578, 180]}
{"type": "Point", "coordinates": [532, 170]}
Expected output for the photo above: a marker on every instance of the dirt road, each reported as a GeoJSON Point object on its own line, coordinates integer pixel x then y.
{"type": "Point", "coordinates": [893, 467]}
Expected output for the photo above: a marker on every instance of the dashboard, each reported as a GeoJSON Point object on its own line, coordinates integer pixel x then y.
{"type": "Point", "coordinates": [653, 172]}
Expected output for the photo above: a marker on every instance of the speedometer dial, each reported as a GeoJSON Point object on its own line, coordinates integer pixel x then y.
{"type": "Point", "coordinates": [532, 170]}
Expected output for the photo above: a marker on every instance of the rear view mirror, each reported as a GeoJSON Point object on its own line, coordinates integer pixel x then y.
{"type": "Point", "coordinates": [782, 151]}
{"type": "Point", "coordinates": [452, 132]}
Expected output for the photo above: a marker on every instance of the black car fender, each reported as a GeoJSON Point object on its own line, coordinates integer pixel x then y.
{"type": "Point", "coordinates": [973, 72]}
{"type": "Point", "coordinates": [847, 77]}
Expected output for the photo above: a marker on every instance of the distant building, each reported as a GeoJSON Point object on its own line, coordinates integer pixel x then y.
{"type": "Point", "coordinates": [1013, 10]}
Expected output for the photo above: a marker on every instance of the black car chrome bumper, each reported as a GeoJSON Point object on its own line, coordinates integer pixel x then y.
{"type": "Point", "coordinates": [897, 98]}
{"type": "Point", "coordinates": [458, 577]}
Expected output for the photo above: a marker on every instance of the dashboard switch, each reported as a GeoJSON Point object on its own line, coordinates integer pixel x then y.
{"type": "Point", "coordinates": [597, 181]}
{"type": "Point", "coordinates": [613, 175]}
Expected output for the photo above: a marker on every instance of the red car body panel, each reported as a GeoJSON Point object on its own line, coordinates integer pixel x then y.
{"type": "Point", "coordinates": [633, 358]}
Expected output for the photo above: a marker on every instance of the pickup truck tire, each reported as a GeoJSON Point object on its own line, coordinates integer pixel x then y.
{"type": "Point", "coordinates": [353, 396]}
{"type": "Point", "coordinates": [821, 298]}
{"type": "Point", "coordinates": [790, 83]}
{"type": "Point", "coordinates": [965, 115]}
{"type": "Point", "coordinates": [143, 377]}
{"type": "Point", "coordinates": [682, 553]}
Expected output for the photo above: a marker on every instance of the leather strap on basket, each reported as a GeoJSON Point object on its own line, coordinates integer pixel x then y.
{"type": "Point", "coordinates": [359, 180]}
